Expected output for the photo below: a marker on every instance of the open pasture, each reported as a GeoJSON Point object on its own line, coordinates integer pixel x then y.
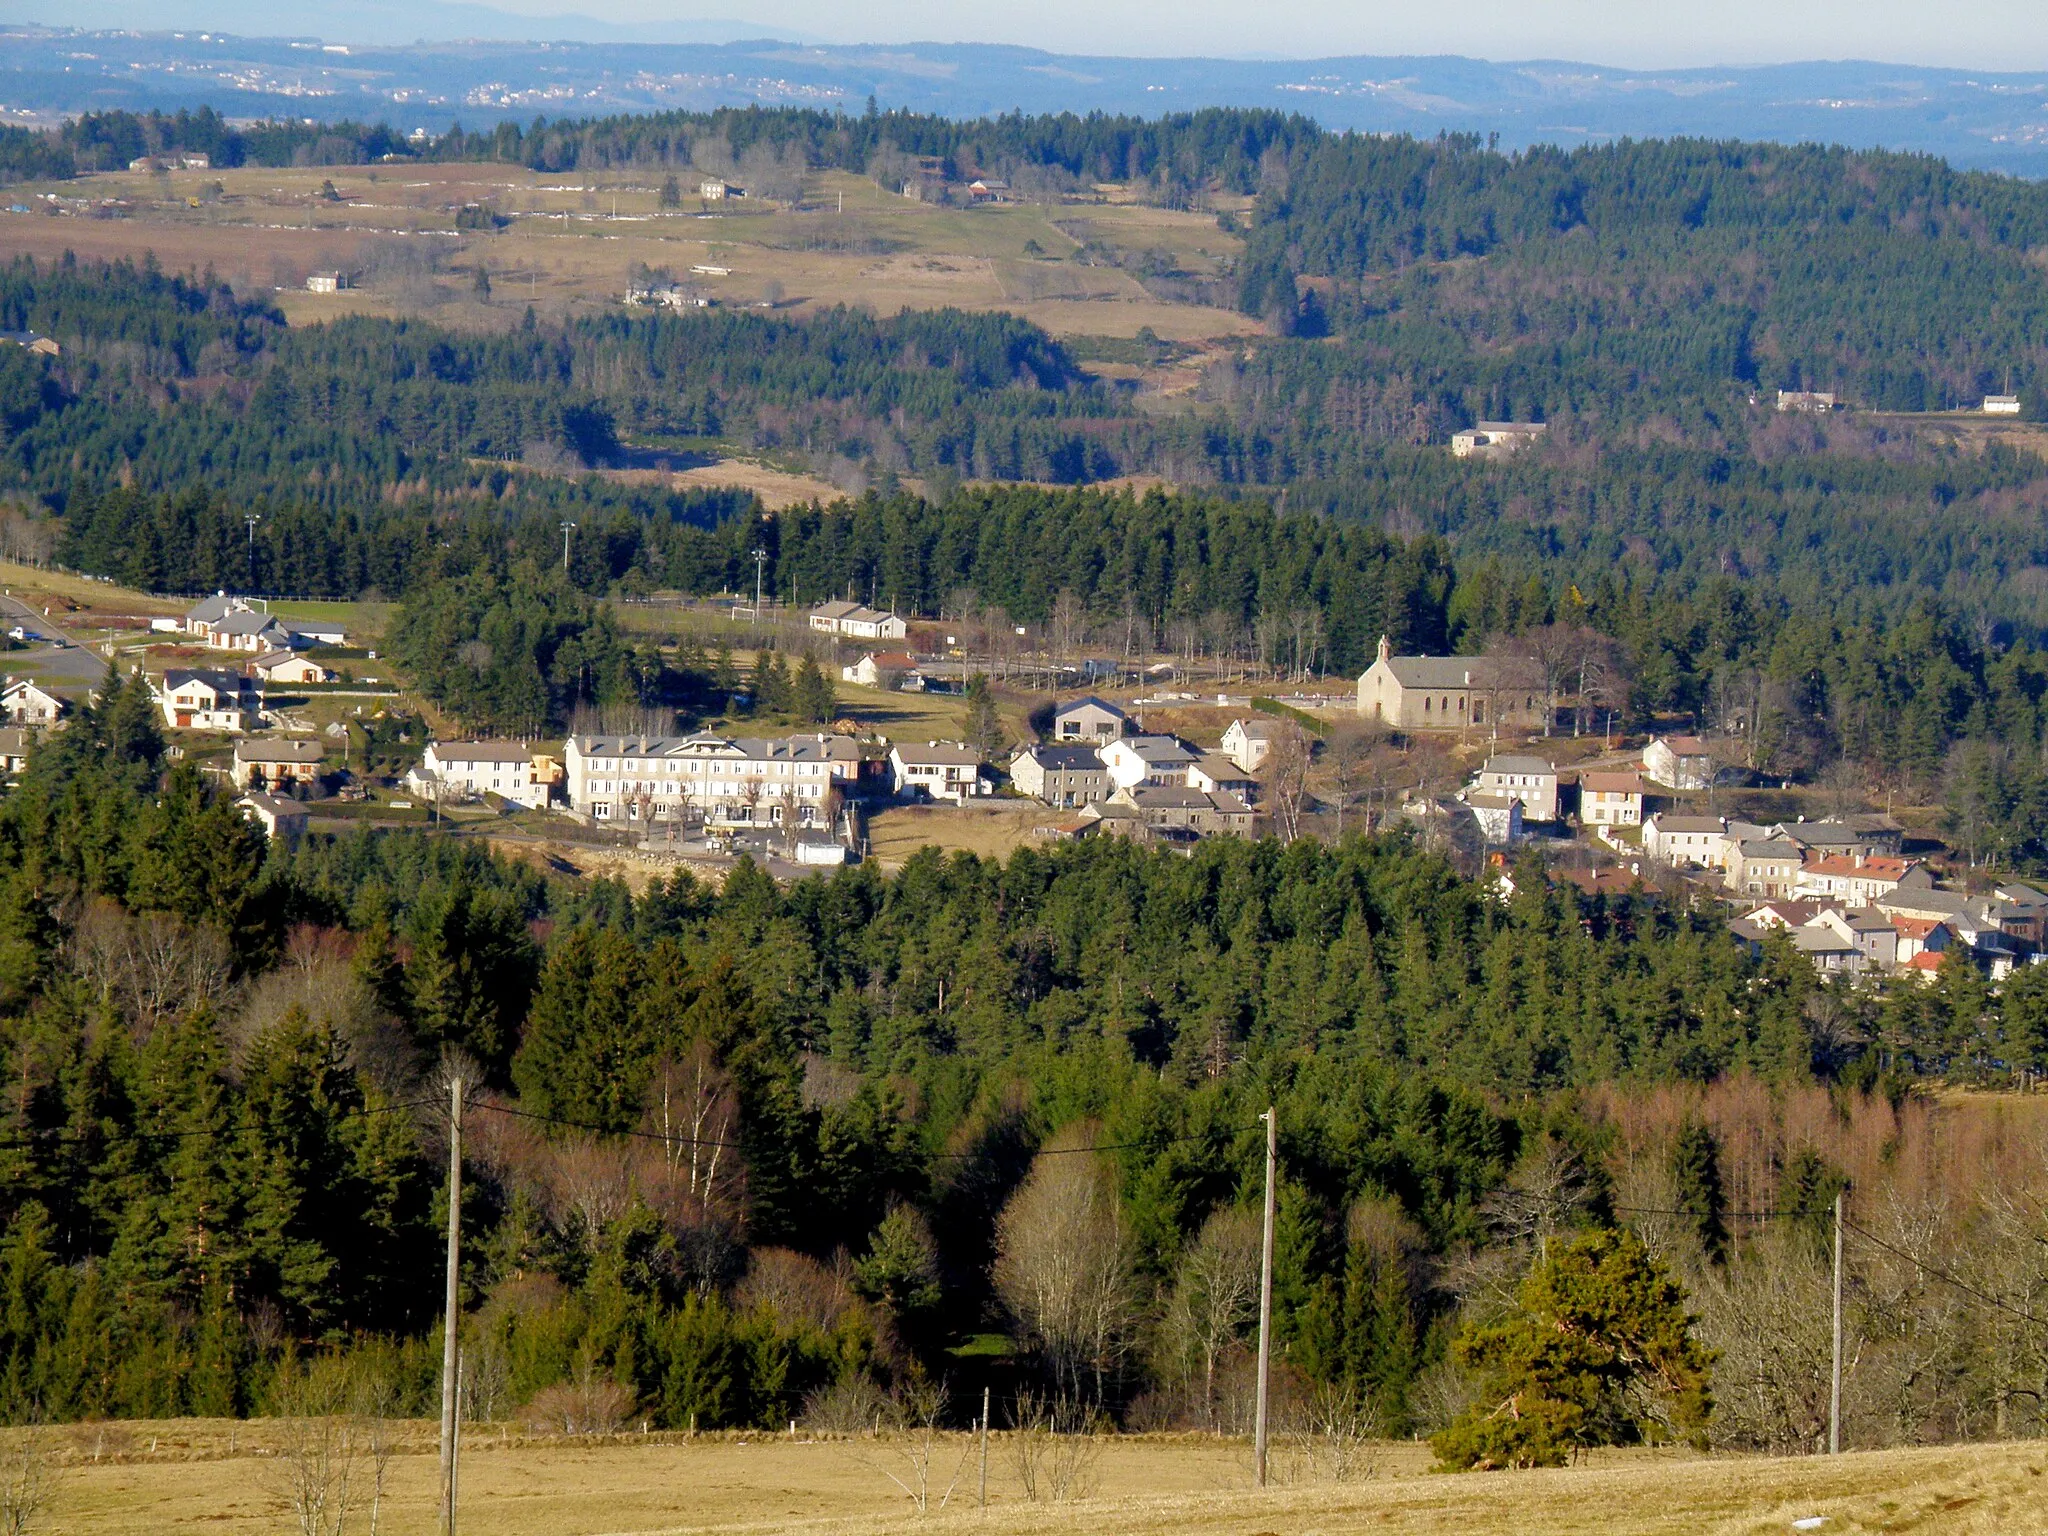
{"type": "Point", "coordinates": [210, 1476]}
{"type": "Point", "coordinates": [570, 241]}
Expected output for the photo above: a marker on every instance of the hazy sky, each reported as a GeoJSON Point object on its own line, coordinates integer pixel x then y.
{"type": "Point", "coordinates": [2004, 36]}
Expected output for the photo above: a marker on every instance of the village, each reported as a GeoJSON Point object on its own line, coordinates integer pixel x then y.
{"type": "Point", "coordinates": [1465, 751]}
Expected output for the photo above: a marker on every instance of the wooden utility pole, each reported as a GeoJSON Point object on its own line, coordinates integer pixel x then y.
{"type": "Point", "coordinates": [450, 1363]}
{"type": "Point", "coordinates": [1272, 1119]}
{"type": "Point", "coordinates": [1835, 1373]}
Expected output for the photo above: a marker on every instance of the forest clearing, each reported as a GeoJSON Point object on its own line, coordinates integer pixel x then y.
{"type": "Point", "coordinates": [1139, 1485]}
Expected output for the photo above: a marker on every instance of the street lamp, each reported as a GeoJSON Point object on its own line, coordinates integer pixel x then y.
{"type": "Point", "coordinates": [252, 519]}
{"type": "Point", "coordinates": [760, 566]}
{"type": "Point", "coordinates": [567, 529]}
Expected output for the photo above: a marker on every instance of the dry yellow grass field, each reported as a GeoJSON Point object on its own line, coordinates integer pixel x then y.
{"type": "Point", "coordinates": [198, 1479]}
{"type": "Point", "coordinates": [574, 237]}
{"type": "Point", "coordinates": [994, 829]}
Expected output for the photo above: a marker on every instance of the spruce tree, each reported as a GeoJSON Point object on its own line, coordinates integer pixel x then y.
{"type": "Point", "coordinates": [1696, 1176]}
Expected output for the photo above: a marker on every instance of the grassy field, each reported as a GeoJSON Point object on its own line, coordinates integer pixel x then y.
{"type": "Point", "coordinates": [994, 829]}
{"type": "Point", "coordinates": [572, 238]}
{"type": "Point", "coordinates": [228, 1479]}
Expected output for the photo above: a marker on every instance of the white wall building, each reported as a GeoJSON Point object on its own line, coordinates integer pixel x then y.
{"type": "Point", "coordinates": [1692, 842]}
{"type": "Point", "coordinates": [207, 701]}
{"type": "Point", "coordinates": [1248, 742]}
{"type": "Point", "coordinates": [1530, 780]}
{"type": "Point", "coordinates": [1680, 762]}
{"type": "Point", "coordinates": [943, 770]}
{"type": "Point", "coordinates": [502, 768]}
{"type": "Point", "coordinates": [26, 704]}
{"type": "Point", "coordinates": [734, 781]}
{"type": "Point", "coordinates": [857, 623]}
{"type": "Point", "coordinates": [1156, 760]}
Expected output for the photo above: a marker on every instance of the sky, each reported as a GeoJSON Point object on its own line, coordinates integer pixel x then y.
{"type": "Point", "coordinates": [1627, 33]}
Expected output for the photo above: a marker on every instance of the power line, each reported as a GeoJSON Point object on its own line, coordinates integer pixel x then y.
{"type": "Point", "coordinates": [1658, 1210]}
{"type": "Point", "coordinates": [716, 1143]}
{"type": "Point", "coordinates": [1869, 1237]}
{"type": "Point", "coordinates": [37, 1141]}
{"type": "Point", "coordinates": [1944, 1276]}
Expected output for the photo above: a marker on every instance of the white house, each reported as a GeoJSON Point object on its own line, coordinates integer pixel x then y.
{"type": "Point", "coordinates": [14, 745]}
{"type": "Point", "coordinates": [1856, 878]}
{"type": "Point", "coordinates": [1089, 719]}
{"type": "Point", "coordinates": [2001, 405]}
{"type": "Point", "coordinates": [1159, 760]}
{"type": "Point", "coordinates": [1696, 842]}
{"type": "Point", "coordinates": [885, 669]}
{"type": "Point", "coordinates": [942, 770]}
{"type": "Point", "coordinates": [26, 704]}
{"type": "Point", "coordinates": [281, 820]}
{"type": "Point", "coordinates": [207, 701]}
{"type": "Point", "coordinates": [1248, 743]}
{"type": "Point", "coordinates": [202, 616]}
{"type": "Point", "coordinates": [247, 630]}
{"type": "Point", "coordinates": [1491, 439]}
{"type": "Point", "coordinates": [289, 667]}
{"type": "Point", "coordinates": [315, 631]}
{"type": "Point", "coordinates": [857, 622]}
{"type": "Point", "coordinates": [1214, 773]}
{"type": "Point", "coordinates": [1530, 780]}
{"type": "Point", "coordinates": [1818, 401]}
{"type": "Point", "coordinates": [1499, 816]}
{"type": "Point", "coordinates": [1679, 762]}
{"type": "Point", "coordinates": [502, 768]}
{"type": "Point", "coordinates": [1610, 799]}
{"type": "Point", "coordinates": [736, 781]}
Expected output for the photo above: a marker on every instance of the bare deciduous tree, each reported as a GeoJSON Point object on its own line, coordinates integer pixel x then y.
{"type": "Point", "coordinates": [150, 966]}
{"type": "Point", "coordinates": [321, 1446]}
{"type": "Point", "coordinates": [1286, 777]}
{"type": "Point", "coordinates": [1215, 1296]}
{"type": "Point", "coordinates": [28, 1476]}
{"type": "Point", "coordinates": [1054, 1446]}
{"type": "Point", "coordinates": [1062, 1264]}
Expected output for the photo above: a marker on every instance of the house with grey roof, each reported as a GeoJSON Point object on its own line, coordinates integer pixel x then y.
{"type": "Point", "coordinates": [1519, 776]}
{"type": "Point", "coordinates": [936, 770]}
{"type": "Point", "coordinates": [1062, 775]}
{"type": "Point", "coordinates": [1159, 760]}
{"type": "Point", "coordinates": [1089, 719]}
{"type": "Point", "coordinates": [1451, 693]}
{"type": "Point", "coordinates": [724, 780]}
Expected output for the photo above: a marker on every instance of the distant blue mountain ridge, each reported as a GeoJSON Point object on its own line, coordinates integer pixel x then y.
{"type": "Point", "coordinates": [1970, 118]}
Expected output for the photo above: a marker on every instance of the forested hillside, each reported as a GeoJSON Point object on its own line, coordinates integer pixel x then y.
{"type": "Point", "coordinates": [1615, 280]}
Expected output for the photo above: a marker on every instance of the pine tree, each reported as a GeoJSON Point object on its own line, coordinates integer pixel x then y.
{"type": "Point", "coordinates": [814, 698]}
{"type": "Point", "coordinates": [982, 726]}
{"type": "Point", "coordinates": [1598, 1350]}
{"type": "Point", "coordinates": [1696, 1175]}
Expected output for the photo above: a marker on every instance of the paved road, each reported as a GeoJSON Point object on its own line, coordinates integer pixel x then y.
{"type": "Point", "coordinates": [75, 665]}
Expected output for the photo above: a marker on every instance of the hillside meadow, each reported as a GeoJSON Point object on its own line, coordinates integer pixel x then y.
{"type": "Point", "coordinates": [213, 1476]}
